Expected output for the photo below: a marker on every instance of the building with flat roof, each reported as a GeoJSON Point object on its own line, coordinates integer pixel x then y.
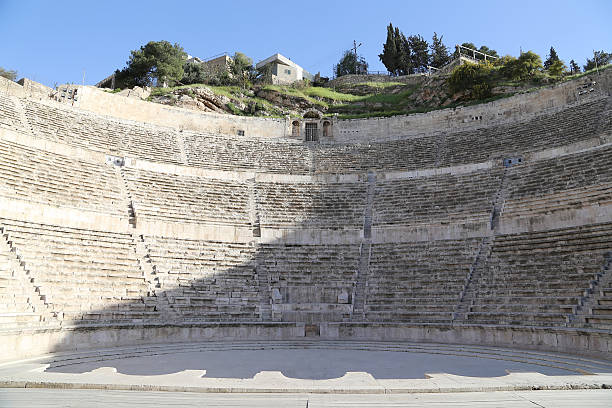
{"type": "Point", "coordinates": [283, 70]}
{"type": "Point", "coordinates": [214, 65]}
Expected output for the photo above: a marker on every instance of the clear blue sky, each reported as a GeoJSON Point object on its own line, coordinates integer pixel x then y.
{"type": "Point", "coordinates": [54, 41]}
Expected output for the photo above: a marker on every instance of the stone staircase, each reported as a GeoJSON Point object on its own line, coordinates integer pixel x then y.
{"type": "Point", "coordinates": [22, 116]}
{"type": "Point", "coordinates": [180, 142]}
{"type": "Point", "coordinates": [253, 208]}
{"type": "Point", "coordinates": [360, 291]}
{"type": "Point", "coordinates": [499, 200]}
{"type": "Point", "coordinates": [156, 297]}
{"type": "Point", "coordinates": [263, 280]}
{"type": "Point", "coordinates": [22, 303]}
{"type": "Point", "coordinates": [467, 295]}
{"type": "Point", "coordinates": [595, 307]}
{"type": "Point", "coordinates": [312, 159]}
{"type": "Point", "coordinates": [365, 253]}
{"type": "Point", "coordinates": [126, 195]}
{"type": "Point", "coordinates": [367, 218]}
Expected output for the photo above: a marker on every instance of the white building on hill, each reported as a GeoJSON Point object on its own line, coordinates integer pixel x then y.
{"type": "Point", "coordinates": [283, 70]}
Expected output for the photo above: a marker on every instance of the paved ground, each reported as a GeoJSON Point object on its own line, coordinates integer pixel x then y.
{"type": "Point", "coordinates": [307, 367]}
{"type": "Point", "coordinates": [44, 398]}
{"type": "Point", "coordinates": [314, 364]}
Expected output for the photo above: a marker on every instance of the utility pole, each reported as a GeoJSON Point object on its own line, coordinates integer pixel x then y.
{"type": "Point", "coordinates": [355, 46]}
{"type": "Point", "coordinates": [595, 58]}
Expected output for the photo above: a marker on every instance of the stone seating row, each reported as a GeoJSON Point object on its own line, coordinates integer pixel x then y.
{"type": "Point", "coordinates": [177, 198]}
{"type": "Point", "coordinates": [224, 152]}
{"type": "Point", "coordinates": [573, 124]}
{"type": "Point", "coordinates": [207, 280]}
{"type": "Point", "coordinates": [36, 175]}
{"type": "Point", "coordinates": [443, 198]}
{"type": "Point", "coordinates": [82, 275]}
{"type": "Point", "coordinates": [86, 277]}
{"type": "Point", "coordinates": [309, 283]}
{"type": "Point", "coordinates": [108, 135]}
{"type": "Point", "coordinates": [18, 304]}
{"type": "Point", "coordinates": [410, 154]}
{"type": "Point", "coordinates": [418, 281]}
{"type": "Point", "coordinates": [9, 115]}
{"type": "Point", "coordinates": [215, 151]}
{"type": "Point", "coordinates": [566, 182]}
{"type": "Point", "coordinates": [538, 278]}
{"type": "Point", "coordinates": [312, 204]}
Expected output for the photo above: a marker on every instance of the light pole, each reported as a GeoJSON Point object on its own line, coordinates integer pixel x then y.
{"type": "Point", "coordinates": [355, 46]}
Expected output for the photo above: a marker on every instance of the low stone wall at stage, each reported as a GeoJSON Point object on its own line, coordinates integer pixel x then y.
{"type": "Point", "coordinates": [26, 343]}
{"type": "Point", "coordinates": [575, 341]}
{"type": "Point", "coordinates": [29, 343]}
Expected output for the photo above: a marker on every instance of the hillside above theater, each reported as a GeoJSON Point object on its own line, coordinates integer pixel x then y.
{"type": "Point", "coordinates": [347, 97]}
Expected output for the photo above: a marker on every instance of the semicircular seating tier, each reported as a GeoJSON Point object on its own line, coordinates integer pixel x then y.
{"type": "Point", "coordinates": [431, 237]}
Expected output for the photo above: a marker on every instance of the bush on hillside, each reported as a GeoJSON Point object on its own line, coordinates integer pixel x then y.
{"type": "Point", "coordinates": [557, 68]}
{"type": "Point", "coordinates": [524, 67]}
{"type": "Point", "coordinates": [473, 78]}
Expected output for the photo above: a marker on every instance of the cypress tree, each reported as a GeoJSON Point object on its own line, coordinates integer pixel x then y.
{"type": "Point", "coordinates": [390, 55]}
{"type": "Point", "coordinates": [552, 57]}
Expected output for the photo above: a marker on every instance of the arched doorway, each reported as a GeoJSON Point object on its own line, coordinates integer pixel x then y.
{"type": "Point", "coordinates": [327, 128]}
{"type": "Point", "coordinates": [295, 128]}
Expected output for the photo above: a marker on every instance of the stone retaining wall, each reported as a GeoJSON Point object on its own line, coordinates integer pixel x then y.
{"type": "Point", "coordinates": [28, 343]}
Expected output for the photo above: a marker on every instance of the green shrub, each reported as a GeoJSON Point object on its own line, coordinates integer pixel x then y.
{"type": "Point", "coordinates": [557, 68]}
{"type": "Point", "coordinates": [524, 67]}
{"type": "Point", "coordinates": [467, 76]}
{"type": "Point", "coordinates": [481, 91]}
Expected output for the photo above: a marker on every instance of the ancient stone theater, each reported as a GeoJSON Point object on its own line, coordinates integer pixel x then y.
{"type": "Point", "coordinates": [134, 231]}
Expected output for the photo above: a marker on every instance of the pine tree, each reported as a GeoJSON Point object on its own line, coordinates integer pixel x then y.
{"type": "Point", "coordinates": [574, 68]}
{"type": "Point", "coordinates": [390, 54]}
{"type": "Point", "coordinates": [351, 64]}
{"type": "Point", "coordinates": [486, 50]}
{"type": "Point", "coordinates": [439, 52]}
{"type": "Point", "coordinates": [552, 57]}
{"type": "Point", "coordinates": [419, 54]}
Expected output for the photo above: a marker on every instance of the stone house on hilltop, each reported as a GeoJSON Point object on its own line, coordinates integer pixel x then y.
{"type": "Point", "coordinates": [283, 70]}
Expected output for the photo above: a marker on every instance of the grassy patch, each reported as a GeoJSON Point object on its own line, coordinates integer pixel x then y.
{"type": "Point", "coordinates": [228, 91]}
{"type": "Point", "coordinates": [377, 114]}
{"type": "Point", "coordinates": [380, 85]}
{"type": "Point", "coordinates": [385, 104]}
{"type": "Point", "coordinates": [234, 109]}
{"type": "Point", "coordinates": [287, 90]}
{"type": "Point", "coordinates": [331, 94]}
{"type": "Point", "coordinates": [590, 72]}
